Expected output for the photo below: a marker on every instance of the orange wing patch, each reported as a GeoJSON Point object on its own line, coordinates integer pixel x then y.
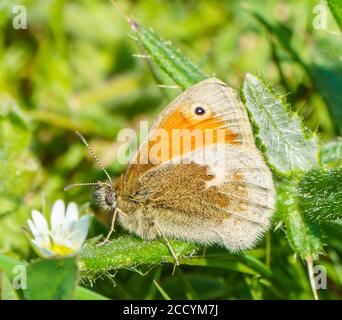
{"type": "Point", "coordinates": [181, 133]}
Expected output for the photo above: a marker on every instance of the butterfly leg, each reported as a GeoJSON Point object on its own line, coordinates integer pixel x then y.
{"type": "Point", "coordinates": [169, 247]}
{"type": "Point", "coordinates": [112, 229]}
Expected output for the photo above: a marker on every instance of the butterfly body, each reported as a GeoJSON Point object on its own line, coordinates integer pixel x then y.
{"type": "Point", "coordinates": [211, 187]}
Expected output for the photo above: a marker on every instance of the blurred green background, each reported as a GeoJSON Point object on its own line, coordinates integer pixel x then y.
{"type": "Point", "coordinates": [74, 68]}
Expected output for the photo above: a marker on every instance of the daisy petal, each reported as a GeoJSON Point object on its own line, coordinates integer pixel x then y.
{"type": "Point", "coordinates": [41, 238]}
{"type": "Point", "coordinates": [40, 223]}
{"type": "Point", "coordinates": [80, 231]}
{"type": "Point", "coordinates": [32, 227]}
{"type": "Point", "coordinates": [57, 215]}
{"type": "Point", "coordinates": [71, 215]}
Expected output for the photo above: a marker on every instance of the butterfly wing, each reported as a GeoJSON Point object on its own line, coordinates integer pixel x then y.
{"type": "Point", "coordinates": [218, 191]}
{"type": "Point", "coordinates": [225, 119]}
{"type": "Point", "coordinates": [211, 201]}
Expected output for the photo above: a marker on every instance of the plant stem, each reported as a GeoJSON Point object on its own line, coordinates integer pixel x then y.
{"type": "Point", "coordinates": [309, 262]}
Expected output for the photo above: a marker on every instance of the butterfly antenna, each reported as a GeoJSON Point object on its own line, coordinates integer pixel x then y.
{"type": "Point", "coordinates": [99, 163]}
{"type": "Point", "coordinates": [70, 186]}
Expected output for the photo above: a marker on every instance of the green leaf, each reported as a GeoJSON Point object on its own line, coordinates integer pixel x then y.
{"type": "Point", "coordinates": [54, 279]}
{"type": "Point", "coordinates": [336, 9]}
{"type": "Point", "coordinates": [303, 235]}
{"type": "Point", "coordinates": [332, 153]}
{"type": "Point", "coordinates": [320, 194]}
{"type": "Point", "coordinates": [6, 289]}
{"type": "Point", "coordinates": [179, 68]}
{"type": "Point", "coordinates": [289, 146]}
{"type": "Point", "coordinates": [7, 265]}
{"type": "Point", "coordinates": [129, 252]}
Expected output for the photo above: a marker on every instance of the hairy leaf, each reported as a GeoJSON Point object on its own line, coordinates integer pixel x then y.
{"type": "Point", "coordinates": [303, 235]}
{"type": "Point", "coordinates": [129, 252]}
{"type": "Point", "coordinates": [320, 194]}
{"type": "Point", "coordinates": [289, 146]}
{"type": "Point", "coordinates": [332, 153]}
{"type": "Point", "coordinates": [179, 68]}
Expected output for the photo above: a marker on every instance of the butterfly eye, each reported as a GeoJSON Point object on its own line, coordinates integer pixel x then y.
{"type": "Point", "coordinates": [199, 111]}
{"type": "Point", "coordinates": [109, 198]}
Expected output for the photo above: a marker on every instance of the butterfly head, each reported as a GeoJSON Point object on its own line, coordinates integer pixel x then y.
{"type": "Point", "coordinates": [104, 196]}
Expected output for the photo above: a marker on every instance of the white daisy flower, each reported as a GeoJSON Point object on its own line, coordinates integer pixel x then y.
{"type": "Point", "coordinates": [66, 234]}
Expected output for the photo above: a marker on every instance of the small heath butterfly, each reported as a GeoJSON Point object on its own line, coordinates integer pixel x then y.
{"type": "Point", "coordinates": [197, 177]}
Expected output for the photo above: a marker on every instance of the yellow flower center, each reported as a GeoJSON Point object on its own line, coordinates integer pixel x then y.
{"type": "Point", "coordinates": [61, 250]}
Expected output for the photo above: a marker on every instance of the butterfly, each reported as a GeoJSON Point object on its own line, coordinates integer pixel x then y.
{"type": "Point", "coordinates": [219, 191]}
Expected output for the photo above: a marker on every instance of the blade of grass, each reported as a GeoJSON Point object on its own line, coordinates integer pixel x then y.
{"type": "Point", "coordinates": [86, 294]}
{"type": "Point", "coordinates": [336, 9]}
{"type": "Point", "coordinates": [161, 290]}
